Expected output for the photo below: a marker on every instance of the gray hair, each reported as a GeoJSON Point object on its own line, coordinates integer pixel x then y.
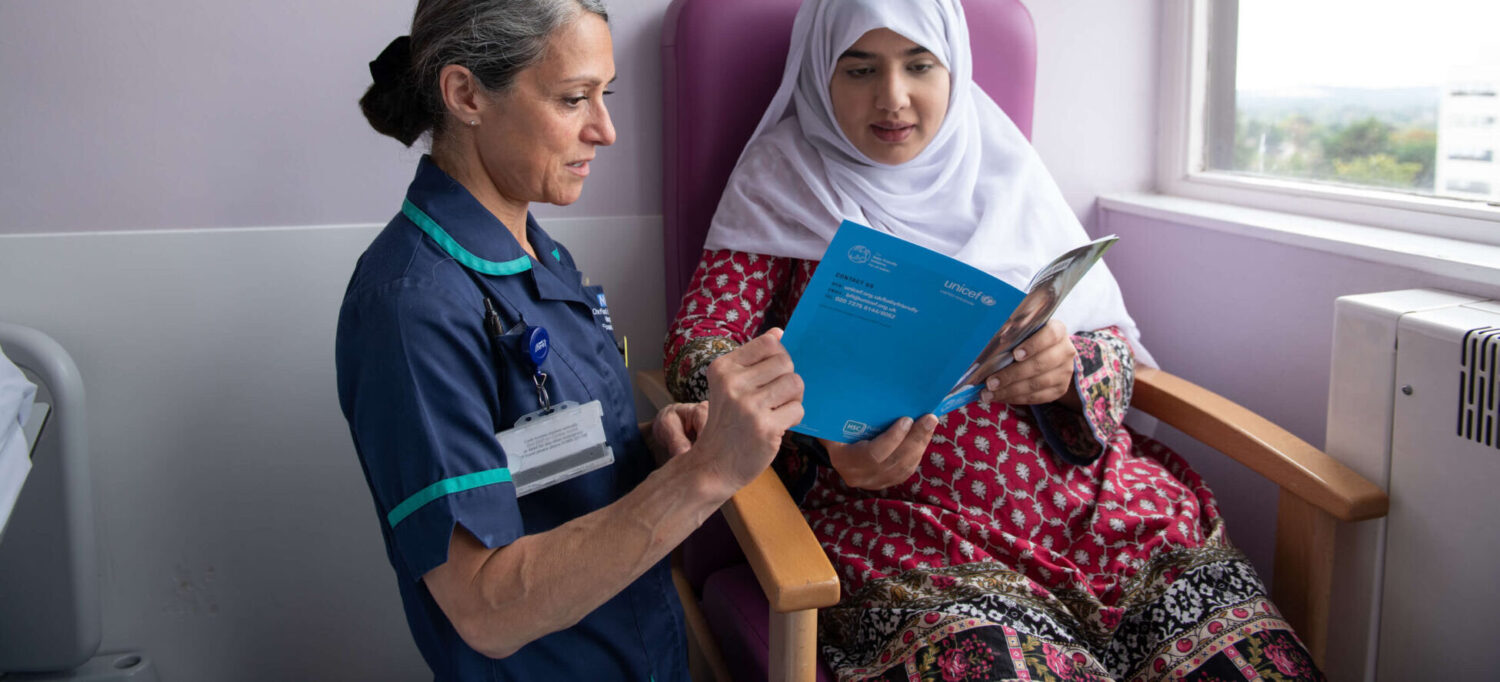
{"type": "Point", "coordinates": [493, 39]}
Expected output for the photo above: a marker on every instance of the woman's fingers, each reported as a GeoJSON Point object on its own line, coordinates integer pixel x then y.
{"type": "Point", "coordinates": [861, 464]}
{"type": "Point", "coordinates": [880, 448]}
{"type": "Point", "coordinates": [1035, 387]}
{"type": "Point", "coordinates": [907, 456]}
{"type": "Point", "coordinates": [888, 459]}
{"type": "Point", "coordinates": [1042, 372]}
{"type": "Point", "coordinates": [1051, 334]}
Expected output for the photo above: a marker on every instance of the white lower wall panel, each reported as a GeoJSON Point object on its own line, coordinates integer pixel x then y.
{"type": "Point", "coordinates": [237, 535]}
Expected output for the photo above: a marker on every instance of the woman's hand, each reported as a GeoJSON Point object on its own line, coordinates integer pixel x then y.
{"type": "Point", "coordinates": [675, 428]}
{"type": "Point", "coordinates": [1042, 372]}
{"type": "Point", "coordinates": [753, 398]}
{"type": "Point", "coordinates": [887, 459]}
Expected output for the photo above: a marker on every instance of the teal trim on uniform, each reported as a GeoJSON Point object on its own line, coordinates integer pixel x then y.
{"type": "Point", "coordinates": [557, 255]}
{"type": "Point", "coordinates": [447, 486]}
{"type": "Point", "coordinates": [459, 253]}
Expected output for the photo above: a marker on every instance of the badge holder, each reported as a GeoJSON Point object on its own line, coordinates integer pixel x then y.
{"type": "Point", "coordinates": [557, 442]}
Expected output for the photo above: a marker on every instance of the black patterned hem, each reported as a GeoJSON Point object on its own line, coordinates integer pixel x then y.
{"type": "Point", "coordinates": [1197, 614]}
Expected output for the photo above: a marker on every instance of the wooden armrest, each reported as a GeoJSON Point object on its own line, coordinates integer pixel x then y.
{"type": "Point", "coordinates": [1266, 448]}
{"type": "Point", "coordinates": [788, 562]}
{"type": "Point", "coordinates": [790, 565]}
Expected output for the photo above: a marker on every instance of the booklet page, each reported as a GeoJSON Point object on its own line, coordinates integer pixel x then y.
{"type": "Point", "coordinates": [884, 328]}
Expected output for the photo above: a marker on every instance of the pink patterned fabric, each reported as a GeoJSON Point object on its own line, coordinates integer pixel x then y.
{"type": "Point", "coordinates": [987, 489]}
{"type": "Point", "coordinates": [1107, 561]}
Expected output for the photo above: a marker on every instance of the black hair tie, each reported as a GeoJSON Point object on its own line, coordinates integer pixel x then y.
{"type": "Point", "coordinates": [394, 61]}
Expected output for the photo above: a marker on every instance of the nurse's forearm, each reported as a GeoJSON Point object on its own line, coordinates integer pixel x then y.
{"type": "Point", "coordinates": [501, 599]}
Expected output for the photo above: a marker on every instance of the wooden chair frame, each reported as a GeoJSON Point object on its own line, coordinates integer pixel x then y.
{"type": "Point", "coordinates": [1316, 492]}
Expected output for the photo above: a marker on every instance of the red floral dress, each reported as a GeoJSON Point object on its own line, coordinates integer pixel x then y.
{"type": "Point", "coordinates": [1032, 543]}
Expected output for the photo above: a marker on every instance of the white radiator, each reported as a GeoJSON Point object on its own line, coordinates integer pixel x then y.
{"type": "Point", "coordinates": [1413, 407]}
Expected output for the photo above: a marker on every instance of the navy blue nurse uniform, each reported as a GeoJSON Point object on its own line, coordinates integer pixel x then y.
{"type": "Point", "coordinates": [425, 389]}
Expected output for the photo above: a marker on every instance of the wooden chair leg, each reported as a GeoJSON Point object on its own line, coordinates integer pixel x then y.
{"type": "Point", "coordinates": [705, 660]}
{"type": "Point", "coordinates": [1303, 581]}
{"type": "Point", "coordinates": [794, 646]}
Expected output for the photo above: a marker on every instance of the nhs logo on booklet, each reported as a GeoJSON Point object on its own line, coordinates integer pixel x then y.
{"type": "Point", "coordinates": [855, 429]}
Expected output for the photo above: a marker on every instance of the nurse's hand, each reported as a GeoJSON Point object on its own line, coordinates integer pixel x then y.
{"type": "Point", "coordinates": [675, 428]}
{"type": "Point", "coordinates": [1042, 372]}
{"type": "Point", "coordinates": [754, 396]}
{"type": "Point", "coordinates": [887, 459]}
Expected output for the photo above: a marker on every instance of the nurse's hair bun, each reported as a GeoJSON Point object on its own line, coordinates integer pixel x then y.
{"type": "Point", "coordinates": [393, 103]}
{"type": "Point", "coordinates": [493, 39]}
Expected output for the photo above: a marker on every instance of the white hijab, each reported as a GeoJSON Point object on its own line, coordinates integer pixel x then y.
{"type": "Point", "coordinates": [977, 192]}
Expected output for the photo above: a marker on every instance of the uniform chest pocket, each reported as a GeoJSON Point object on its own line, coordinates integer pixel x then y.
{"type": "Point", "coordinates": [515, 383]}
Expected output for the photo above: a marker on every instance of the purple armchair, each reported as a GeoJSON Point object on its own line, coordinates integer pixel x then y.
{"type": "Point", "coordinates": [721, 63]}
{"type": "Point", "coordinates": [758, 591]}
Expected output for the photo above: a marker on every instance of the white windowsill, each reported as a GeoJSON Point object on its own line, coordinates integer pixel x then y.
{"type": "Point", "coordinates": [1479, 263]}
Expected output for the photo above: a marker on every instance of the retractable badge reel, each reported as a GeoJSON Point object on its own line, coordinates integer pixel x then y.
{"type": "Point", "coordinates": [556, 442]}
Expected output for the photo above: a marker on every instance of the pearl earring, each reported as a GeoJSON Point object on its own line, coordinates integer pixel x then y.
{"type": "Point", "coordinates": [473, 123]}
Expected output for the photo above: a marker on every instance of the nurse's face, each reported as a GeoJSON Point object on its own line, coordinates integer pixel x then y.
{"type": "Point", "coordinates": [889, 96]}
{"type": "Point", "coordinates": [537, 143]}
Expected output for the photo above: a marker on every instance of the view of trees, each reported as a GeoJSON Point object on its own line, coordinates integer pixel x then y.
{"type": "Point", "coordinates": [1368, 140]}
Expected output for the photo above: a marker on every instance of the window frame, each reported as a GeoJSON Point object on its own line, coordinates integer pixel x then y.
{"type": "Point", "coordinates": [1187, 28]}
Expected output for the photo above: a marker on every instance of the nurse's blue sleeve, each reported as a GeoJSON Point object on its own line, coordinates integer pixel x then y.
{"type": "Point", "coordinates": [417, 384]}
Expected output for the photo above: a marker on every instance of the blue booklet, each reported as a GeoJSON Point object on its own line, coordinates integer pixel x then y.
{"type": "Point", "coordinates": [888, 329]}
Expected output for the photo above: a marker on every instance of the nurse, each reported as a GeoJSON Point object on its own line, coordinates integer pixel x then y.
{"type": "Point", "coordinates": [469, 350]}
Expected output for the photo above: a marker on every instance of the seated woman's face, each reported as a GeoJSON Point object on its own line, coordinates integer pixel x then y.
{"type": "Point", "coordinates": [889, 96]}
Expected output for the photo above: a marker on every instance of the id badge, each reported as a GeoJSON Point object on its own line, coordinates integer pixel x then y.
{"type": "Point", "coordinates": [552, 446]}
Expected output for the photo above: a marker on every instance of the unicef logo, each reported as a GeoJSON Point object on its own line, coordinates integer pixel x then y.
{"type": "Point", "coordinates": [987, 299]}
{"type": "Point", "coordinates": [859, 254]}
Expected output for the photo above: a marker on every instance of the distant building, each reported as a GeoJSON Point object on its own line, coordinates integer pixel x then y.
{"type": "Point", "coordinates": [1468, 141]}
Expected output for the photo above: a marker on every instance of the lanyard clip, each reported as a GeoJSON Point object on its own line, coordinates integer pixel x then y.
{"type": "Point", "coordinates": [540, 379]}
{"type": "Point", "coordinates": [537, 348]}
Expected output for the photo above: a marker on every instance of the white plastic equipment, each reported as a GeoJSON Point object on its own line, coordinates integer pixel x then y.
{"type": "Point", "coordinates": [1414, 405]}
{"type": "Point", "coordinates": [49, 570]}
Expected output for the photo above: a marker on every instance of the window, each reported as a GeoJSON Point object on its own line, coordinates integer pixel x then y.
{"type": "Point", "coordinates": [1346, 109]}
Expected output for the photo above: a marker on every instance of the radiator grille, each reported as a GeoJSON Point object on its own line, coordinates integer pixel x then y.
{"type": "Point", "coordinates": [1477, 386]}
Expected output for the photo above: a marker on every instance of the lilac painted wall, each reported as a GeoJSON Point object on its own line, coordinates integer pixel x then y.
{"type": "Point", "coordinates": [155, 114]}
{"type": "Point", "coordinates": [1253, 321]}
{"type": "Point", "coordinates": [1096, 97]}
{"type": "Point", "coordinates": [148, 114]}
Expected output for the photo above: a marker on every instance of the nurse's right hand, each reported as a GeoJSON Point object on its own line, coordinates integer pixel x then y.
{"type": "Point", "coordinates": [754, 396]}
